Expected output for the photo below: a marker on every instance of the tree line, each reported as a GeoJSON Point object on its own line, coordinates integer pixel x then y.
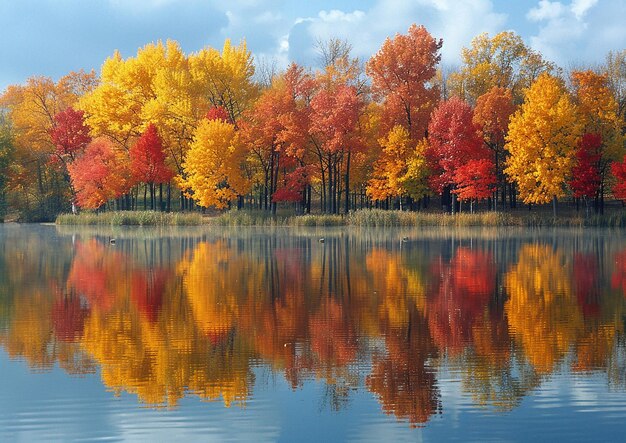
{"type": "Point", "coordinates": [168, 130]}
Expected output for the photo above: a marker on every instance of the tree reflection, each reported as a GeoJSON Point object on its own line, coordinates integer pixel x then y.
{"type": "Point", "coordinates": [349, 312]}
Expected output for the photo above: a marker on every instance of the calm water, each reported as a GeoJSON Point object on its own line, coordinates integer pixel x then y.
{"type": "Point", "coordinates": [199, 334]}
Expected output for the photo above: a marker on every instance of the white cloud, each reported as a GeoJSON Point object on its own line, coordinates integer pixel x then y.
{"type": "Point", "coordinates": [546, 10]}
{"type": "Point", "coordinates": [578, 31]}
{"type": "Point", "coordinates": [456, 21]}
{"type": "Point", "coordinates": [580, 7]}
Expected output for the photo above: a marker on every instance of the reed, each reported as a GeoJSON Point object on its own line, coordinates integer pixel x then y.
{"type": "Point", "coordinates": [131, 218]}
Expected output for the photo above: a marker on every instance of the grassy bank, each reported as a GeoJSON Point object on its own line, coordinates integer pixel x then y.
{"type": "Point", "coordinates": [363, 218]}
{"type": "Point", "coordinates": [131, 218]}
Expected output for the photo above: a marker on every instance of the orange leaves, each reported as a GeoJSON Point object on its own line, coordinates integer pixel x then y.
{"type": "Point", "coordinates": [401, 73]}
{"type": "Point", "coordinates": [475, 179]}
{"type": "Point", "coordinates": [100, 174]}
{"type": "Point", "coordinates": [492, 113]}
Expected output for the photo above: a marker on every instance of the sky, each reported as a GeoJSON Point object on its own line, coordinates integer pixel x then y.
{"type": "Point", "coordinates": [54, 37]}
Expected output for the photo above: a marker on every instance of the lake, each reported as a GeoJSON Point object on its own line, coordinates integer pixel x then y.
{"type": "Point", "coordinates": [339, 334]}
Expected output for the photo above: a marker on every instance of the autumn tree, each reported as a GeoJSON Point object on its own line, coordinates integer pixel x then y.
{"type": "Point", "coordinates": [401, 168]}
{"type": "Point", "coordinates": [586, 179]}
{"type": "Point", "coordinates": [40, 184]}
{"type": "Point", "coordinates": [618, 169]}
{"type": "Point", "coordinates": [213, 166]}
{"type": "Point", "coordinates": [402, 73]}
{"type": "Point", "coordinates": [598, 110]}
{"type": "Point", "coordinates": [541, 140]}
{"type": "Point", "coordinates": [70, 134]}
{"type": "Point", "coordinates": [615, 70]}
{"type": "Point", "coordinates": [492, 114]}
{"type": "Point", "coordinates": [276, 131]}
{"type": "Point", "coordinates": [503, 60]}
{"type": "Point", "coordinates": [335, 110]}
{"type": "Point", "coordinates": [100, 174]}
{"type": "Point", "coordinates": [456, 149]}
{"type": "Point", "coordinates": [147, 163]}
{"type": "Point", "coordinates": [224, 78]}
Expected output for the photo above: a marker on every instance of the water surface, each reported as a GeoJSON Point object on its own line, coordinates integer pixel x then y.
{"type": "Point", "coordinates": [249, 334]}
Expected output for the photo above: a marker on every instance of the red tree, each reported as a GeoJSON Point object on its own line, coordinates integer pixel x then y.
{"type": "Point", "coordinates": [99, 175]}
{"type": "Point", "coordinates": [455, 141]}
{"type": "Point", "coordinates": [70, 134]}
{"type": "Point", "coordinates": [335, 111]}
{"type": "Point", "coordinates": [586, 178]}
{"type": "Point", "coordinates": [147, 162]}
{"type": "Point", "coordinates": [618, 169]}
{"type": "Point", "coordinates": [475, 179]}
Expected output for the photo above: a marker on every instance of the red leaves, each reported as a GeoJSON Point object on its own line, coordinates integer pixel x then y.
{"type": "Point", "coordinates": [454, 143]}
{"type": "Point", "coordinates": [294, 184]}
{"type": "Point", "coordinates": [70, 134]}
{"type": "Point", "coordinates": [475, 179]}
{"type": "Point", "coordinates": [334, 117]}
{"type": "Point", "coordinates": [148, 159]}
{"type": "Point", "coordinates": [218, 113]}
{"type": "Point", "coordinates": [619, 171]}
{"type": "Point", "coordinates": [99, 175]}
{"type": "Point", "coordinates": [586, 179]}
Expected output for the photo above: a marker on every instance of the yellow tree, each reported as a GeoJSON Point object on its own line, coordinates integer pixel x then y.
{"type": "Point", "coordinates": [503, 60]}
{"type": "Point", "coordinates": [115, 107]}
{"type": "Point", "coordinates": [224, 79]}
{"type": "Point", "coordinates": [213, 173]}
{"type": "Point", "coordinates": [172, 105]}
{"type": "Point", "coordinates": [401, 168]}
{"type": "Point", "coordinates": [541, 140]}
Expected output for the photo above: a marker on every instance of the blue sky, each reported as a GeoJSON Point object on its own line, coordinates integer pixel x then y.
{"type": "Point", "coordinates": [53, 37]}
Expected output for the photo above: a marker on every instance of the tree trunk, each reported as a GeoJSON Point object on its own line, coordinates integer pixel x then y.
{"type": "Point", "coordinates": [348, 183]}
{"type": "Point", "coordinates": [554, 206]}
{"type": "Point", "coordinates": [169, 196]}
{"type": "Point", "coordinates": [160, 196]}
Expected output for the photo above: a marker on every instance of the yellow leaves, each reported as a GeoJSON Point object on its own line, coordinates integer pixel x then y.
{"type": "Point", "coordinates": [224, 79]}
{"type": "Point", "coordinates": [503, 60]}
{"type": "Point", "coordinates": [213, 166]}
{"type": "Point", "coordinates": [400, 170]}
{"type": "Point", "coordinates": [599, 111]}
{"type": "Point", "coordinates": [542, 138]}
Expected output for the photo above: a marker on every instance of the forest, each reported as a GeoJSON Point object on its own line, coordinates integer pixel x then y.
{"type": "Point", "coordinates": [170, 131]}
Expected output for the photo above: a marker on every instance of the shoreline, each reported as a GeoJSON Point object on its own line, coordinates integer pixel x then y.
{"type": "Point", "coordinates": [360, 218]}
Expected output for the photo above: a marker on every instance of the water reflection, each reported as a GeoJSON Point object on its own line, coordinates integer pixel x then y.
{"type": "Point", "coordinates": [164, 316]}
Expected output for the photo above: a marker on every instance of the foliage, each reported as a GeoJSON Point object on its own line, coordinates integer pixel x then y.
{"type": "Point", "coordinates": [542, 134]}
{"type": "Point", "coordinates": [100, 174]}
{"type": "Point", "coordinates": [70, 134]}
{"type": "Point", "coordinates": [402, 72]}
{"type": "Point", "coordinates": [213, 166]}
{"type": "Point", "coordinates": [503, 60]}
{"type": "Point", "coordinates": [586, 179]}
{"type": "Point", "coordinates": [147, 159]}
{"type": "Point", "coordinates": [454, 142]}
